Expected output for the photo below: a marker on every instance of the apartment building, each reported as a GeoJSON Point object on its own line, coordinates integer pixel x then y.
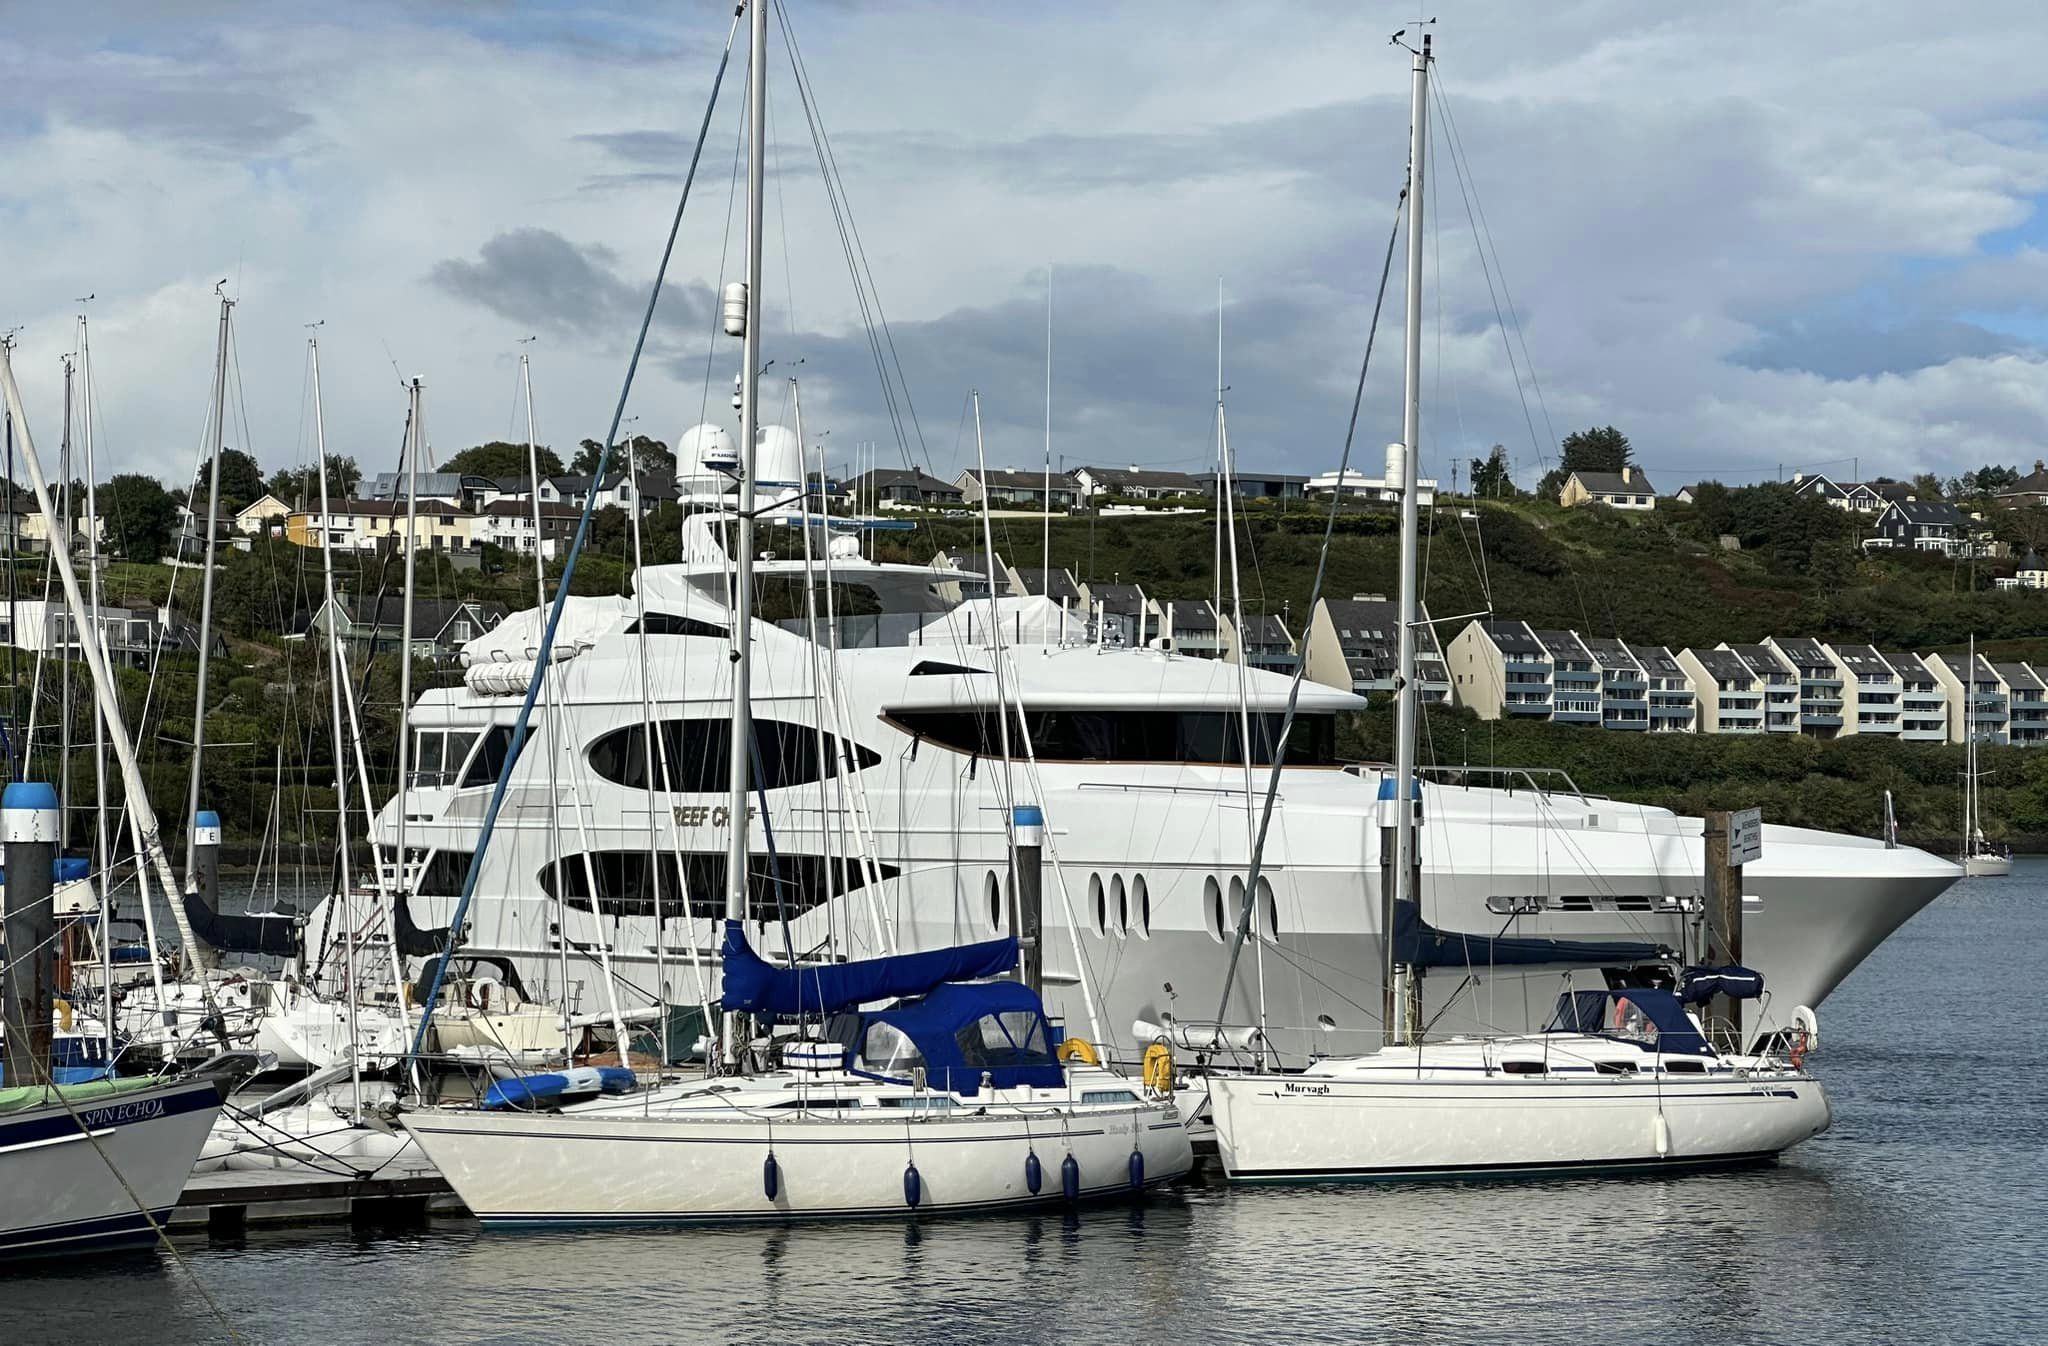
{"type": "Point", "coordinates": [1673, 706]}
{"type": "Point", "coordinates": [1822, 706]}
{"type": "Point", "coordinates": [1923, 704]}
{"type": "Point", "coordinates": [1263, 641]}
{"type": "Point", "coordinates": [1501, 669]}
{"type": "Point", "coordinates": [1624, 684]}
{"type": "Point", "coordinates": [1575, 678]}
{"type": "Point", "coordinates": [1354, 643]}
{"type": "Point", "coordinates": [1728, 692]}
{"type": "Point", "coordinates": [1978, 705]}
{"type": "Point", "coordinates": [1872, 690]}
{"type": "Point", "coordinates": [2026, 702]}
{"type": "Point", "coordinates": [1780, 683]}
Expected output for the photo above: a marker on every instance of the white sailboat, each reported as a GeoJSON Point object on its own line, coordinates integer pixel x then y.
{"type": "Point", "coordinates": [1618, 1079]}
{"type": "Point", "coordinates": [1979, 858]}
{"type": "Point", "coordinates": [101, 1162]}
{"type": "Point", "coordinates": [935, 1089]}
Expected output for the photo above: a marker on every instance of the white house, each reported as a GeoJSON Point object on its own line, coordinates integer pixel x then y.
{"type": "Point", "coordinates": [1357, 485]}
{"type": "Point", "coordinates": [1626, 489]}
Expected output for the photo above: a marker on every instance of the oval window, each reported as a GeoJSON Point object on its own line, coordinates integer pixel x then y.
{"type": "Point", "coordinates": [1269, 910]}
{"type": "Point", "coordinates": [1236, 905]}
{"type": "Point", "coordinates": [1122, 902]}
{"type": "Point", "coordinates": [1212, 904]}
{"type": "Point", "coordinates": [1141, 898]}
{"type": "Point", "coordinates": [1099, 902]}
{"type": "Point", "coordinates": [992, 890]}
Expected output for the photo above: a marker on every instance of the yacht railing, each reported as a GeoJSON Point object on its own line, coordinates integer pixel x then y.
{"type": "Point", "coordinates": [1531, 778]}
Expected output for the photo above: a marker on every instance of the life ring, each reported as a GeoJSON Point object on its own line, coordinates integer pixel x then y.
{"type": "Point", "coordinates": [1158, 1073]}
{"type": "Point", "coordinates": [1079, 1049]}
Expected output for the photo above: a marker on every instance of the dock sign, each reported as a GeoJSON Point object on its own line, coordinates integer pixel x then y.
{"type": "Point", "coordinates": [1745, 836]}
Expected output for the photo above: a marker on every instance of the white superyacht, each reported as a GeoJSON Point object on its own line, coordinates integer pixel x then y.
{"type": "Point", "coordinates": [882, 776]}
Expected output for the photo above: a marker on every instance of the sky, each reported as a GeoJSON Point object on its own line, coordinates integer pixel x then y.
{"type": "Point", "coordinates": [1757, 238]}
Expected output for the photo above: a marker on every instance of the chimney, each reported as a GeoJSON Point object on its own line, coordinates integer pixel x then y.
{"type": "Point", "coordinates": [1628, 474]}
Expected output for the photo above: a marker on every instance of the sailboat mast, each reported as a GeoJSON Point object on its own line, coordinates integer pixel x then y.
{"type": "Point", "coordinates": [414, 439]}
{"type": "Point", "coordinates": [60, 530]}
{"type": "Point", "coordinates": [743, 531]}
{"type": "Point", "coordinates": [103, 830]}
{"type": "Point", "coordinates": [1392, 998]}
{"type": "Point", "coordinates": [217, 440]}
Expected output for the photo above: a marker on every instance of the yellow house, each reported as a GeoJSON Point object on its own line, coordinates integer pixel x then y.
{"type": "Point", "coordinates": [368, 525]}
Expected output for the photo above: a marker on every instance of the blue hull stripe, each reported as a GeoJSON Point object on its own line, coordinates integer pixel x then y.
{"type": "Point", "coordinates": [114, 1111]}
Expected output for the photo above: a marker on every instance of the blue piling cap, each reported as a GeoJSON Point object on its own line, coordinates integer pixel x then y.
{"type": "Point", "coordinates": [1027, 815]}
{"type": "Point", "coordinates": [24, 794]}
{"type": "Point", "coordinates": [206, 818]}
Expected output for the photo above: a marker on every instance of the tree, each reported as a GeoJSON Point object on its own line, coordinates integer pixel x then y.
{"type": "Point", "coordinates": [1927, 486]}
{"type": "Point", "coordinates": [141, 517]}
{"type": "Point", "coordinates": [1985, 480]}
{"type": "Point", "coordinates": [1600, 449]}
{"type": "Point", "coordinates": [1491, 476]}
{"type": "Point", "coordinates": [295, 485]}
{"type": "Point", "coordinates": [650, 455]}
{"type": "Point", "coordinates": [241, 481]}
{"type": "Point", "coordinates": [502, 460]}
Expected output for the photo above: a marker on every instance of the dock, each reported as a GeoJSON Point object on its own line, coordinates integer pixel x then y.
{"type": "Point", "coordinates": [227, 1203]}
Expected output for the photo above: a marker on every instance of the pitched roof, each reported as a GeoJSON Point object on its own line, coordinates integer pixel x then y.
{"type": "Point", "coordinates": [1910, 666]}
{"type": "Point", "coordinates": [1612, 483]}
{"type": "Point", "coordinates": [1722, 663]}
{"type": "Point", "coordinates": [1609, 652]}
{"type": "Point", "coordinates": [1263, 628]}
{"type": "Point", "coordinates": [1656, 659]}
{"type": "Point", "coordinates": [1142, 478]}
{"type": "Point", "coordinates": [1935, 512]}
{"type": "Point", "coordinates": [1514, 638]}
{"type": "Point", "coordinates": [1564, 645]}
{"type": "Point", "coordinates": [1762, 658]}
{"type": "Point", "coordinates": [1121, 599]}
{"type": "Point", "coordinates": [2018, 675]}
{"type": "Point", "coordinates": [1057, 585]}
{"type": "Point", "coordinates": [1010, 479]}
{"type": "Point", "coordinates": [888, 478]}
{"type": "Point", "coordinates": [2034, 483]}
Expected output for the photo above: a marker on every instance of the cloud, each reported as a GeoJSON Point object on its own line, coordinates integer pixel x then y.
{"type": "Point", "coordinates": [1743, 233]}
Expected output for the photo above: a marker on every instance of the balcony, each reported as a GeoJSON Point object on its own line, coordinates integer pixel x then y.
{"type": "Point", "coordinates": [1518, 664]}
{"type": "Point", "coordinates": [1626, 682]}
{"type": "Point", "coordinates": [1812, 682]}
{"type": "Point", "coordinates": [1815, 720]}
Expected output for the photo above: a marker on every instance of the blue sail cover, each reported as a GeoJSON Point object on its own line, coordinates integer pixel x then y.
{"type": "Point", "coordinates": [963, 1032]}
{"type": "Point", "coordinates": [755, 986]}
{"type": "Point", "coordinates": [1421, 945]}
{"type": "Point", "coordinates": [1663, 1024]}
{"type": "Point", "coordinates": [1698, 985]}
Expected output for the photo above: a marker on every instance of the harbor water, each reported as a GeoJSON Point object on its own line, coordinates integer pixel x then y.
{"type": "Point", "coordinates": [1918, 1218]}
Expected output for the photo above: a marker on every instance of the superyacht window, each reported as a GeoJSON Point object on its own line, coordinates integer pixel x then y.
{"type": "Point", "coordinates": [693, 756]}
{"type": "Point", "coordinates": [1198, 736]}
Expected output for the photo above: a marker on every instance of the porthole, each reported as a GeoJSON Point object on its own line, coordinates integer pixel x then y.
{"type": "Point", "coordinates": [1269, 910]}
{"type": "Point", "coordinates": [1142, 899]}
{"type": "Point", "coordinates": [1098, 901]}
{"type": "Point", "coordinates": [1212, 906]}
{"type": "Point", "coordinates": [992, 891]}
{"type": "Point", "coordinates": [1236, 905]}
{"type": "Point", "coordinates": [1122, 902]}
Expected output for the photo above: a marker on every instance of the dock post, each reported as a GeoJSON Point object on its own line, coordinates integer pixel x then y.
{"type": "Point", "coordinates": [1724, 921]}
{"type": "Point", "coordinates": [1027, 867]}
{"type": "Point", "coordinates": [206, 857]}
{"type": "Point", "coordinates": [29, 824]}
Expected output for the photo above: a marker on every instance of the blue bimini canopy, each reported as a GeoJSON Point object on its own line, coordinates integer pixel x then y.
{"type": "Point", "coordinates": [959, 1033]}
{"type": "Point", "coordinates": [1648, 1016]}
{"type": "Point", "coordinates": [1698, 985]}
{"type": "Point", "coordinates": [756, 986]}
{"type": "Point", "coordinates": [1421, 945]}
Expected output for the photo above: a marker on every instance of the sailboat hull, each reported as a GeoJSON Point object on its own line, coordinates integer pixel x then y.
{"type": "Point", "coordinates": [625, 1167]}
{"type": "Point", "coordinates": [66, 1173]}
{"type": "Point", "coordinates": [1987, 866]}
{"type": "Point", "coordinates": [1434, 1124]}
